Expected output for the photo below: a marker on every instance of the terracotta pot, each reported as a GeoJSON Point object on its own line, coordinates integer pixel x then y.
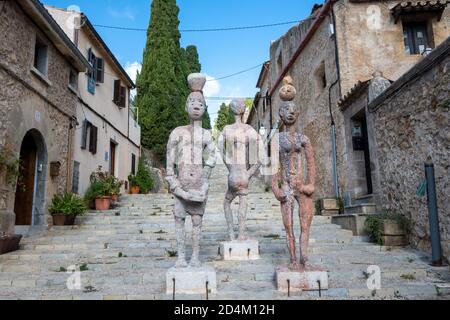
{"type": "Point", "coordinates": [63, 220]}
{"type": "Point", "coordinates": [102, 204]}
{"type": "Point", "coordinates": [135, 190]}
{"type": "Point", "coordinates": [59, 219]}
{"type": "Point", "coordinates": [115, 198]}
{"type": "Point", "coordinates": [10, 243]}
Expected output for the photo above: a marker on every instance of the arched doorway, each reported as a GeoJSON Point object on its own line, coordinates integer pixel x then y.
{"type": "Point", "coordinates": [30, 190]}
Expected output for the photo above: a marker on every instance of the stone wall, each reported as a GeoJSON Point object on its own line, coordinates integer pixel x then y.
{"type": "Point", "coordinates": [412, 121]}
{"type": "Point", "coordinates": [312, 98]}
{"type": "Point", "coordinates": [370, 40]}
{"type": "Point", "coordinates": [28, 102]}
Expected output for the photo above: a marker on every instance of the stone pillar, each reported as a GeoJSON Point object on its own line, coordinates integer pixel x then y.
{"type": "Point", "coordinates": [7, 215]}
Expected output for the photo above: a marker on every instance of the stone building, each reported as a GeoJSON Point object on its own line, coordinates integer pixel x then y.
{"type": "Point", "coordinates": [108, 134]}
{"type": "Point", "coordinates": [38, 63]}
{"type": "Point", "coordinates": [411, 122]}
{"type": "Point", "coordinates": [330, 54]}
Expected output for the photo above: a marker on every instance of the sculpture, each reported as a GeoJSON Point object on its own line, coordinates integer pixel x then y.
{"type": "Point", "coordinates": [288, 185]}
{"type": "Point", "coordinates": [245, 145]}
{"type": "Point", "coordinates": [188, 182]}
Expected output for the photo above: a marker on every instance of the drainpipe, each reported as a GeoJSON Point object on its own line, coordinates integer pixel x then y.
{"type": "Point", "coordinates": [433, 214]}
{"type": "Point", "coordinates": [333, 124]}
{"type": "Point", "coordinates": [69, 155]}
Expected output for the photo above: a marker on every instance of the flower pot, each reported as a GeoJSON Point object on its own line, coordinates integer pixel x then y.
{"type": "Point", "coordinates": [102, 204]}
{"type": "Point", "coordinates": [135, 190]}
{"type": "Point", "coordinates": [9, 243]}
{"type": "Point", "coordinates": [59, 219]}
{"type": "Point", "coordinates": [63, 220]}
{"type": "Point", "coordinates": [115, 198]}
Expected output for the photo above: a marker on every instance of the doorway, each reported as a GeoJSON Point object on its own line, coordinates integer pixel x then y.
{"type": "Point", "coordinates": [113, 162]}
{"type": "Point", "coordinates": [361, 153]}
{"type": "Point", "coordinates": [30, 189]}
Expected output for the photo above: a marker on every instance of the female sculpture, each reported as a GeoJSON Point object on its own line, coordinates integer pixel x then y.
{"type": "Point", "coordinates": [288, 184]}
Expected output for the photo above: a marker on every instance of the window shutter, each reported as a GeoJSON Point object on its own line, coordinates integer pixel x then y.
{"type": "Point", "coordinates": [93, 140]}
{"type": "Point", "coordinates": [84, 135]}
{"type": "Point", "coordinates": [100, 70]}
{"type": "Point", "coordinates": [116, 97]}
{"type": "Point", "coordinates": [133, 164]}
{"type": "Point", "coordinates": [123, 97]}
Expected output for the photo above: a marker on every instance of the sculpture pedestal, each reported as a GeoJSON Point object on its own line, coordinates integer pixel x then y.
{"type": "Point", "coordinates": [191, 280]}
{"type": "Point", "coordinates": [239, 250]}
{"type": "Point", "coordinates": [306, 280]}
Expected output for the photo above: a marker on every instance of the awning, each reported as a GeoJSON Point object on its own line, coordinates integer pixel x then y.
{"type": "Point", "coordinates": [436, 8]}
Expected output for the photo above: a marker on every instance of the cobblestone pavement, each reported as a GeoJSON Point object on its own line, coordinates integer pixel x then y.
{"type": "Point", "coordinates": [124, 254]}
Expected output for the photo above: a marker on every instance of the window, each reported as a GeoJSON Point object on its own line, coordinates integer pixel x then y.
{"type": "Point", "coordinates": [321, 78]}
{"type": "Point", "coordinates": [73, 79]}
{"type": "Point", "coordinates": [280, 62]}
{"type": "Point", "coordinates": [133, 164]}
{"type": "Point", "coordinates": [264, 105]}
{"type": "Point", "coordinates": [416, 37]}
{"type": "Point", "coordinates": [41, 56]}
{"type": "Point", "coordinates": [76, 177]}
{"type": "Point", "coordinates": [89, 132]}
{"type": "Point", "coordinates": [97, 74]}
{"type": "Point", "coordinates": [120, 94]}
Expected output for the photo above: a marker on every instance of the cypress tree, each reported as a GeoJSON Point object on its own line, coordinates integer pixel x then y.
{"type": "Point", "coordinates": [162, 84]}
{"type": "Point", "coordinates": [194, 66]}
{"type": "Point", "coordinates": [224, 118]}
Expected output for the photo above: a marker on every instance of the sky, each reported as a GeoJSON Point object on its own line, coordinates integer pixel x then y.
{"type": "Point", "coordinates": [221, 53]}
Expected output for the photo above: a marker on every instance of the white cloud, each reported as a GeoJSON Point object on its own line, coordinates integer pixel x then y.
{"type": "Point", "coordinates": [126, 13]}
{"type": "Point", "coordinates": [132, 69]}
{"type": "Point", "coordinates": [212, 87]}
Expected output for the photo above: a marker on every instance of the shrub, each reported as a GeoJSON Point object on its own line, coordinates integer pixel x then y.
{"type": "Point", "coordinates": [103, 184]}
{"type": "Point", "coordinates": [373, 225]}
{"type": "Point", "coordinates": [144, 177]}
{"type": "Point", "coordinates": [68, 204]}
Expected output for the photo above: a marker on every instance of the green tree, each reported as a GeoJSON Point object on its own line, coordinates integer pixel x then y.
{"type": "Point", "coordinates": [224, 118]}
{"type": "Point", "coordinates": [194, 66]}
{"type": "Point", "coordinates": [162, 84]}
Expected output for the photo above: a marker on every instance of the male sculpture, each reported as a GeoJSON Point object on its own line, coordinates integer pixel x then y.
{"type": "Point", "coordinates": [189, 182]}
{"type": "Point", "coordinates": [288, 185]}
{"type": "Point", "coordinates": [241, 147]}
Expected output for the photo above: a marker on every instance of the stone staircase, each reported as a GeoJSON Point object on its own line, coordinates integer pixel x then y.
{"type": "Point", "coordinates": [124, 254]}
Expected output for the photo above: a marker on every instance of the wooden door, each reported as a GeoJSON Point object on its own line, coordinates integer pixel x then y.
{"type": "Point", "coordinates": [23, 206]}
{"type": "Point", "coordinates": [112, 152]}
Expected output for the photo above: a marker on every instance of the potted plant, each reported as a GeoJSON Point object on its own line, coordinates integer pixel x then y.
{"type": "Point", "coordinates": [134, 185]}
{"type": "Point", "coordinates": [65, 208]}
{"type": "Point", "coordinates": [144, 177]}
{"type": "Point", "coordinates": [98, 196]}
{"type": "Point", "coordinates": [9, 243]}
{"type": "Point", "coordinates": [115, 185]}
{"type": "Point", "coordinates": [388, 229]}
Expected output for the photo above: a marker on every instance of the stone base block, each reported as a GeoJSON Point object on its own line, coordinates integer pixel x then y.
{"type": "Point", "coordinates": [330, 213]}
{"type": "Point", "coordinates": [329, 204]}
{"type": "Point", "coordinates": [295, 281]}
{"type": "Point", "coordinates": [240, 250]}
{"type": "Point", "coordinates": [191, 280]}
{"type": "Point", "coordinates": [395, 241]}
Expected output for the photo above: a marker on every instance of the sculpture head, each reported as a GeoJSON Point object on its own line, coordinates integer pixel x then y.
{"type": "Point", "coordinates": [196, 104]}
{"type": "Point", "coordinates": [237, 107]}
{"type": "Point", "coordinates": [287, 91]}
{"type": "Point", "coordinates": [289, 113]}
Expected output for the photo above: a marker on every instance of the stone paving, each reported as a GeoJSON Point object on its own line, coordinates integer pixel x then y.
{"type": "Point", "coordinates": [124, 255]}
